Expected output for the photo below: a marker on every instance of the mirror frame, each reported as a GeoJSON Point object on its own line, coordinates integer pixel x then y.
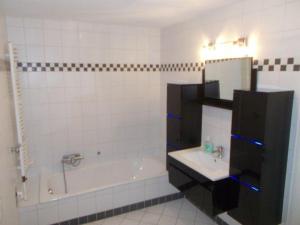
{"type": "Point", "coordinates": [222, 103]}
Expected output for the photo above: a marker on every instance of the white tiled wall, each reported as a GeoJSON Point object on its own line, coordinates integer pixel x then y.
{"type": "Point", "coordinates": [115, 113]}
{"type": "Point", "coordinates": [8, 211]}
{"type": "Point", "coordinates": [98, 201]}
{"type": "Point", "coordinates": [275, 26]}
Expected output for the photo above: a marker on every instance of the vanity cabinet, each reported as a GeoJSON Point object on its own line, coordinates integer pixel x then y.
{"type": "Point", "coordinates": [211, 197]}
{"type": "Point", "coordinates": [184, 116]}
{"type": "Point", "coordinates": [259, 148]}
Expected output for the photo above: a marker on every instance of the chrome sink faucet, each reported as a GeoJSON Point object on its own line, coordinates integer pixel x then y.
{"type": "Point", "coordinates": [219, 152]}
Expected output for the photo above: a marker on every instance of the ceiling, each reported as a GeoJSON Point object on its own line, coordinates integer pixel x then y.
{"type": "Point", "coordinates": [158, 13]}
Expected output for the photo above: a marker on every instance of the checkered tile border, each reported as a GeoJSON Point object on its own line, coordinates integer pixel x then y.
{"type": "Point", "coordinates": [277, 64]}
{"type": "Point", "coordinates": [85, 67]}
{"type": "Point", "coordinates": [220, 60]}
{"type": "Point", "coordinates": [271, 65]}
{"type": "Point", "coordinates": [178, 67]}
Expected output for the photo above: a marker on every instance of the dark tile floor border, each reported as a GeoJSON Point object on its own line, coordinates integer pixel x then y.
{"type": "Point", "coordinates": [121, 210]}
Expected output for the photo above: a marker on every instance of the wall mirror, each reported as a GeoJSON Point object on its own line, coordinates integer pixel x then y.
{"type": "Point", "coordinates": [222, 77]}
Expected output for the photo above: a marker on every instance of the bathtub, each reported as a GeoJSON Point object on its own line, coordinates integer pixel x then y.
{"type": "Point", "coordinates": [98, 191]}
{"type": "Point", "coordinates": [96, 177]}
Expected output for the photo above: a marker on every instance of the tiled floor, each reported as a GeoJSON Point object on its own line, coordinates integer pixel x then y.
{"type": "Point", "coordinates": [179, 212]}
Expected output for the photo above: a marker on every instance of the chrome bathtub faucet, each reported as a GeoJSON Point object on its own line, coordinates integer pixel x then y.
{"type": "Point", "coordinates": [73, 160]}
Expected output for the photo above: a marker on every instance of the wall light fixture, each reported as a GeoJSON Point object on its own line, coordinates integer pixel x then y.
{"type": "Point", "coordinates": [226, 49]}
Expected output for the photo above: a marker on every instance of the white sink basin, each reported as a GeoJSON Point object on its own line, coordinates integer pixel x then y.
{"type": "Point", "coordinates": [203, 163]}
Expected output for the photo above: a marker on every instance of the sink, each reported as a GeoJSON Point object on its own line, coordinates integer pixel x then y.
{"type": "Point", "coordinates": [204, 163]}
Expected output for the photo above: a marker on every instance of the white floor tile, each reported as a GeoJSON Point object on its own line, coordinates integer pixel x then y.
{"type": "Point", "coordinates": [129, 222]}
{"type": "Point", "coordinates": [172, 212]}
{"type": "Point", "coordinates": [158, 209]}
{"type": "Point", "coordinates": [151, 218]}
{"type": "Point", "coordinates": [181, 221]}
{"type": "Point", "coordinates": [187, 214]}
{"type": "Point", "coordinates": [116, 220]}
{"type": "Point", "coordinates": [179, 212]}
{"type": "Point", "coordinates": [135, 215]}
{"type": "Point", "coordinates": [167, 220]}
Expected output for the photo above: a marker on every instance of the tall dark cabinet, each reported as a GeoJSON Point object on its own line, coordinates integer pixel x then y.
{"type": "Point", "coordinates": [184, 116]}
{"type": "Point", "coordinates": [259, 148]}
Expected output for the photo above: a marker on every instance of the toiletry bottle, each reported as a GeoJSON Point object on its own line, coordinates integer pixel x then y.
{"type": "Point", "coordinates": [208, 145]}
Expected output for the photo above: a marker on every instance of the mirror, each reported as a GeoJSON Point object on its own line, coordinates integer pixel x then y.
{"type": "Point", "coordinates": [222, 77]}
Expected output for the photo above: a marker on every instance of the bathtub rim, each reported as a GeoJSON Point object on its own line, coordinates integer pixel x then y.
{"type": "Point", "coordinates": [43, 183]}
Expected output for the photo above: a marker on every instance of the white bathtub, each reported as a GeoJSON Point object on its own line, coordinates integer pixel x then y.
{"type": "Point", "coordinates": [96, 177]}
{"type": "Point", "coordinates": [98, 188]}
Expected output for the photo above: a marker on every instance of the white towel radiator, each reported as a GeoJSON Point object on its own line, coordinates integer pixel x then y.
{"type": "Point", "coordinates": [21, 149]}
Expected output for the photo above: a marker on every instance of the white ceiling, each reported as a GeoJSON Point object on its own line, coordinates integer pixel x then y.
{"type": "Point", "coordinates": [157, 13]}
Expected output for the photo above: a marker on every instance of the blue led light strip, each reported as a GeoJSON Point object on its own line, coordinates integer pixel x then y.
{"type": "Point", "coordinates": [249, 140]}
{"type": "Point", "coordinates": [249, 186]}
{"type": "Point", "coordinates": [173, 116]}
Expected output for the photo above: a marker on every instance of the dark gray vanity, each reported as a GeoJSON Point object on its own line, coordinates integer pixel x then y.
{"type": "Point", "coordinates": [250, 188]}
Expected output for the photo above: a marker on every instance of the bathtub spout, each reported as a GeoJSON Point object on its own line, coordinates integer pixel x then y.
{"type": "Point", "coordinates": [71, 159]}
{"type": "Point", "coordinates": [65, 180]}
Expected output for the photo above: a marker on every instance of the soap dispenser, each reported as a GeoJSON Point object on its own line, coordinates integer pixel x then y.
{"type": "Point", "coordinates": [208, 145]}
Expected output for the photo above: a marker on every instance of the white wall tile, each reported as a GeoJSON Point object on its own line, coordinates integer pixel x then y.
{"type": "Point", "coordinates": [120, 196]}
{"type": "Point", "coordinates": [70, 39]}
{"type": "Point", "coordinates": [291, 15]}
{"type": "Point", "coordinates": [52, 24]}
{"type": "Point", "coordinates": [55, 80]}
{"type": "Point", "coordinates": [48, 213]}
{"type": "Point", "coordinates": [37, 80]}
{"type": "Point", "coordinates": [53, 54]}
{"type": "Point", "coordinates": [35, 53]}
{"type": "Point", "coordinates": [33, 23]}
{"type": "Point", "coordinates": [104, 200]}
{"type": "Point", "coordinates": [53, 37]}
{"type": "Point", "coordinates": [34, 36]}
{"type": "Point", "coordinates": [67, 209]}
{"type": "Point", "coordinates": [86, 204]}
{"type": "Point", "coordinates": [70, 54]}
{"type": "Point", "coordinates": [16, 35]}
{"type": "Point", "coordinates": [28, 215]}
{"type": "Point", "coordinates": [14, 21]}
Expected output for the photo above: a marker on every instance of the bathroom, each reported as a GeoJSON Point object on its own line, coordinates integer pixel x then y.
{"type": "Point", "coordinates": [92, 82]}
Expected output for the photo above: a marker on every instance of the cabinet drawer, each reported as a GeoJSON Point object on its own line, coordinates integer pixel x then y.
{"type": "Point", "coordinates": [179, 179]}
{"type": "Point", "coordinates": [200, 194]}
{"type": "Point", "coordinates": [202, 198]}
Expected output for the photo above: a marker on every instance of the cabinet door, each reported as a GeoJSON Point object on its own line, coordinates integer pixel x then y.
{"type": "Point", "coordinates": [191, 123]}
{"type": "Point", "coordinates": [174, 100]}
{"type": "Point", "coordinates": [249, 112]}
{"type": "Point", "coordinates": [173, 132]}
{"type": "Point", "coordinates": [247, 212]}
